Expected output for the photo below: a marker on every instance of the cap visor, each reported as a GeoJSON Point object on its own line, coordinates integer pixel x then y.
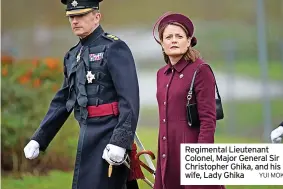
{"type": "Point", "coordinates": [78, 12]}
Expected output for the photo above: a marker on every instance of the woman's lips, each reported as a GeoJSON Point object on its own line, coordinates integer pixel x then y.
{"type": "Point", "coordinates": [174, 47]}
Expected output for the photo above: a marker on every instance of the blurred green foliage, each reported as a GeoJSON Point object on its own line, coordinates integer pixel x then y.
{"type": "Point", "coordinates": [27, 88]}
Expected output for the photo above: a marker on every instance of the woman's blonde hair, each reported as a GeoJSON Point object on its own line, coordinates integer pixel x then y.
{"type": "Point", "coordinates": [191, 54]}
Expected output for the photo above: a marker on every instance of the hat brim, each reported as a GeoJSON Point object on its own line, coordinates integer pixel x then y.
{"type": "Point", "coordinates": [179, 18]}
{"type": "Point", "coordinates": [78, 12]}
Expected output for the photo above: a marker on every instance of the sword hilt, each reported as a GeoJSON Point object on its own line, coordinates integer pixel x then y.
{"type": "Point", "coordinates": [110, 167]}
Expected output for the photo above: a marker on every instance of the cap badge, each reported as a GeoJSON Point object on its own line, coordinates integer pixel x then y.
{"type": "Point", "coordinates": [74, 3]}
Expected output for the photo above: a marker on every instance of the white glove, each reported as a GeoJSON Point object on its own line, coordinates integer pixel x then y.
{"type": "Point", "coordinates": [114, 155]}
{"type": "Point", "coordinates": [276, 135]}
{"type": "Point", "coordinates": [31, 149]}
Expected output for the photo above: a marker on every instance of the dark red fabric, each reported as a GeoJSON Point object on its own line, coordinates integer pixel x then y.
{"type": "Point", "coordinates": [103, 110]}
{"type": "Point", "coordinates": [135, 172]}
{"type": "Point", "coordinates": [172, 88]}
{"type": "Point", "coordinates": [182, 19]}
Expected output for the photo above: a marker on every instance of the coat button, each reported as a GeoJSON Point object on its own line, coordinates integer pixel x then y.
{"type": "Point", "coordinates": [163, 155]}
{"type": "Point", "coordinates": [164, 138]}
{"type": "Point", "coordinates": [164, 103]}
{"type": "Point", "coordinates": [164, 120]}
{"type": "Point", "coordinates": [167, 85]}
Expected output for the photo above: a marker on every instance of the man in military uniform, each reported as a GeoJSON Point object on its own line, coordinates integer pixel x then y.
{"type": "Point", "coordinates": [101, 86]}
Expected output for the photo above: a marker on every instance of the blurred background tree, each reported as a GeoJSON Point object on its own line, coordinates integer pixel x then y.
{"type": "Point", "coordinates": [27, 87]}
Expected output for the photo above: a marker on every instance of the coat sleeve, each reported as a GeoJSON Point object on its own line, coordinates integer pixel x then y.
{"type": "Point", "coordinates": [205, 96]}
{"type": "Point", "coordinates": [122, 68]}
{"type": "Point", "coordinates": [55, 117]}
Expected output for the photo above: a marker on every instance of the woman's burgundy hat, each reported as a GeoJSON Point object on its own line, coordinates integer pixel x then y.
{"type": "Point", "coordinates": [168, 18]}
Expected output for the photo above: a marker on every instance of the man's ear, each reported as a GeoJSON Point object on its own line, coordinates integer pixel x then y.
{"type": "Point", "coordinates": [98, 16]}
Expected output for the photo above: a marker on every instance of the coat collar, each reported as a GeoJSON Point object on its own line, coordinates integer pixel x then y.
{"type": "Point", "coordinates": [92, 37]}
{"type": "Point", "coordinates": [179, 66]}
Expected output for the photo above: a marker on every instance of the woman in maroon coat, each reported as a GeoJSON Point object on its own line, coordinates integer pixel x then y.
{"type": "Point", "coordinates": [176, 34]}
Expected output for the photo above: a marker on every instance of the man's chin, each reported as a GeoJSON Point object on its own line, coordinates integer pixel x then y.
{"type": "Point", "coordinates": [78, 33]}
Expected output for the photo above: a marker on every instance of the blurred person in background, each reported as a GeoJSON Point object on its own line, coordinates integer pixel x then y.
{"type": "Point", "coordinates": [176, 37]}
{"type": "Point", "coordinates": [277, 134]}
{"type": "Point", "coordinates": [105, 101]}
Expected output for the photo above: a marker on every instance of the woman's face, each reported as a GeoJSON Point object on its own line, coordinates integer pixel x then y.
{"type": "Point", "coordinates": [175, 41]}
